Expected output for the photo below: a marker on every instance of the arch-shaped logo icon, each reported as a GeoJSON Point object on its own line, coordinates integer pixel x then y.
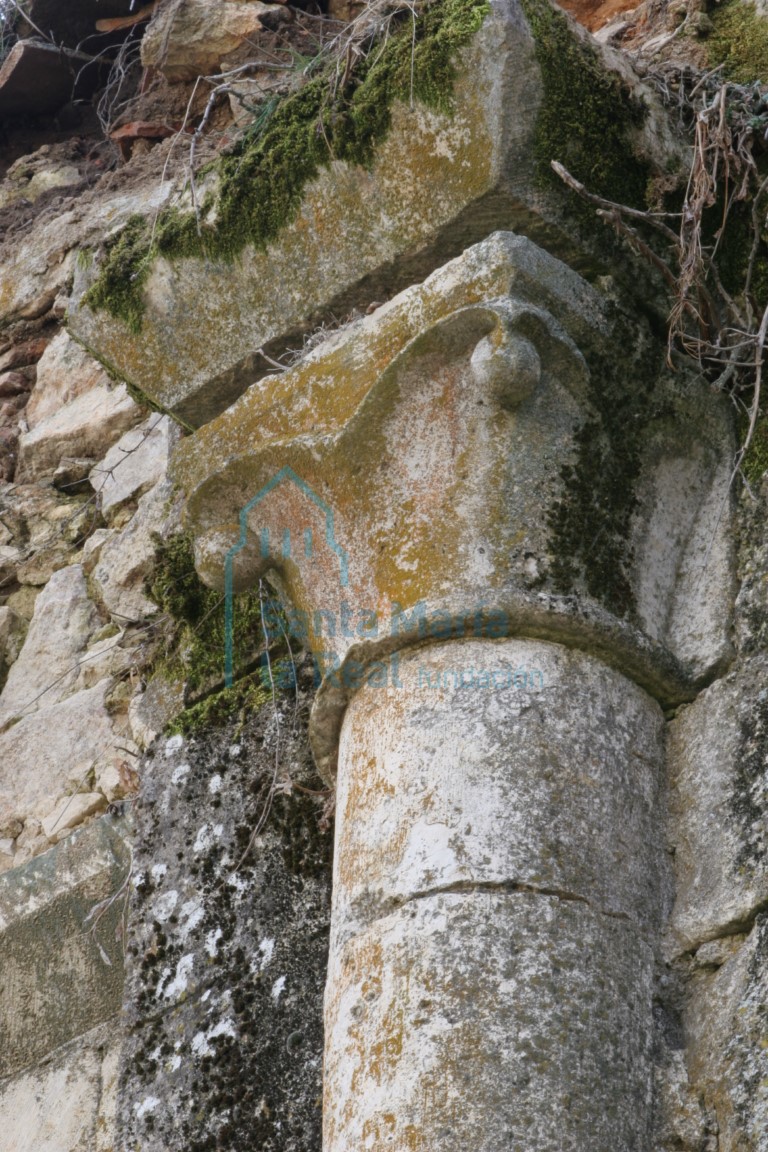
{"type": "Point", "coordinates": [285, 474]}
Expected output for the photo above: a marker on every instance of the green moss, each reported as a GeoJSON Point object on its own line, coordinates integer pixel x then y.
{"type": "Point", "coordinates": [197, 649]}
{"type": "Point", "coordinates": [586, 116]}
{"type": "Point", "coordinates": [244, 697]}
{"type": "Point", "coordinates": [127, 261]}
{"type": "Point", "coordinates": [263, 180]}
{"type": "Point", "coordinates": [735, 249]}
{"type": "Point", "coordinates": [755, 463]}
{"type": "Point", "coordinates": [589, 526]}
{"type": "Point", "coordinates": [739, 41]}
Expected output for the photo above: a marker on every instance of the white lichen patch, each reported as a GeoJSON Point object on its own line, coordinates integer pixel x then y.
{"type": "Point", "coordinates": [194, 913]}
{"type": "Point", "coordinates": [201, 1040]}
{"type": "Point", "coordinates": [164, 905]}
{"type": "Point", "coordinates": [267, 949]}
{"type": "Point", "coordinates": [180, 774]}
{"type": "Point", "coordinates": [212, 942]}
{"type": "Point", "coordinates": [148, 1104]}
{"type": "Point", "coordinates": [204, 839]}
{"type": "Point", "coordinates": [181, 979]}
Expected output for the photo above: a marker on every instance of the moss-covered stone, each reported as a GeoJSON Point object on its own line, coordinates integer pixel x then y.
{"type": "Point", "coordinates": [755, 462]}
{"type": "Point", "coordinates": [213, 711]}
{"type": "Point", "coordinates": [587, 114]}
{"type": "Point", "coordinates": [739, 41]}
{"type": "Point", "coordinates": [590, 523]}
{"type": "Point", "coordinates": [127, 261]}
{"type": "Point", "coordinates": [263, 180]}
{"type": "Point", "coordinates": [232, 1051]}
{"type": "Point", "coordinates": [196, 652]}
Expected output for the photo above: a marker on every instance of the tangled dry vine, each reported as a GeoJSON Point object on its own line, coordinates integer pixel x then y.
{"type": "Point", "coordinates": [711, 250]}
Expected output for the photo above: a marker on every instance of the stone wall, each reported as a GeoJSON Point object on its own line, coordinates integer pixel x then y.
{"type": "Point", "coordinates": [547, 921]}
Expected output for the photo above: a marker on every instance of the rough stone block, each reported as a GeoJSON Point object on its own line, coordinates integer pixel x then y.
{"type": "Point", "coordinates": [38, 752]}
{"type": "Point", "coordinates": [64, 372]}
{"type": "Point", "coordinates": [225, 979]}
{"type": "Point", "coordinates": [728, 1053]}
{"type": "Point", "coordinates": [47, 668]}
{"type": "Point", "coordinates": [438, 183]}
{"type": "Point", "coordinates": [67, 1102]}
{"type": "Point", "coordinates": [718, 807]}
{"type": "Point", "coordinates": [60, 979]}
{"type": "Point", "coordinates": [190, 40]}
{"type": "Point", "coordinates": [12, 632]}
{"type": "Point", "coordinates": [81, 428]}
{"type": "Point", "coordinates": [136, 463]}
{"type": "Point", "coordinates": [126, 558]}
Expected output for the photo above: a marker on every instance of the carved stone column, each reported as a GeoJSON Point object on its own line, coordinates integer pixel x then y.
{"type": "Point", "coordinates": [497, 890]}
{"type": "Point", "coordinates": [496, 743]}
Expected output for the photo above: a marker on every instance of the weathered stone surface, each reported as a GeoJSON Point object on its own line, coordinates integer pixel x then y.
{"type": "Point", "coordinates": [64, 372]}
{"type": "Point", "coordinates": [48, 665]}
{"type": "Point", "coordinates": [683, 542]}
{"type": "Point", "coordinates": [38, 568]}
{"type": "Point", "coordinates": [108, 655]}
{"type": "Point", "coordinates": [80, 428]}
{"type": "Point", "coordinates": [438, 183]}
{"type": "Point", "coordinates": [71, 476]}
{"type": "Point", "coordinates": [136, 463]}
{"type": "Point", "coordinates": [191, 39]}
{"type": "Point", "coordinates": [30, 176]}
{"type": "Point", "coordinates": [126, 559]}
{"type": "Point", "coordinates": [118, 780]}
{"type": "Point", "coordinates": [500, 763]}
{"type": "Point", "coordinates": [39, 529]}
{"type": "Point", "coordinates": [23, 602]}
{"type": "Point", "coordinates": [9, 560]}
{"type": "Point", "coordinates": [56, 983]}
{"type": "Point", "coordinates": [93, 546]}
{"type": "Point", "coordinates": [38, 753]}
{"type": "Point", "coordinates": [752, 601]}
{"type": "Point", "coordinates": [150, 713]}
{"type": "Point", "coordinates": [13, 629]}
{"type": "Point", "coordinates": [65, 1104]}
{"type": "Point", "coordinates": [718, 806]}
{"type": "Point", "coordinates": [475, 810]}
{"type": "Point", "coordinates": [444, 985]}
{"type": "Point", "coordinates": [71, 812]}
{"type": "Point", "coordinates": [227, 964]}
{"type": "Point", "coordinates": [726, 1024]}
{"type": "Point", "coordinates": [683, 1121]}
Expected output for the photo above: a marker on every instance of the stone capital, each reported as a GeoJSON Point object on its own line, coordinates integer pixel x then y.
{"type": "Point", "coordinates": [398, 483]}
